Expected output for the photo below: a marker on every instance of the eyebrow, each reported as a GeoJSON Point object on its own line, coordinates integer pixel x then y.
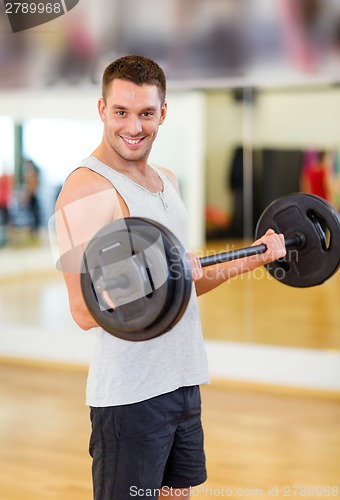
{"type": "Point", "coordinates": [124, 108]}
{"type": "Point", "coordinates": [118, 106]}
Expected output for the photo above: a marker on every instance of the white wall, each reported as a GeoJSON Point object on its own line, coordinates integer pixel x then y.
{"type": "Point", "coordinates": [79, 104]}
{"type": "Point", "coordinates": [224, 130]}
{"type": "Point", "coordinates": [300, 118]}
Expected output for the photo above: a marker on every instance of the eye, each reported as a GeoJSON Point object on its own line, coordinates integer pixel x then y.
{"type": "Point", "coordinates": [121, 113]}
{"type": "Point", "coordinates": [146, 114]}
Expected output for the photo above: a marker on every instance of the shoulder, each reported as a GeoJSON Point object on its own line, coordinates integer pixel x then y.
{"type": "Point", "coordinates": [83, 184]}
{"type": "Point", "coordinates": [88, 201]}
{"type": "Point", "coordinates": [84, 181]}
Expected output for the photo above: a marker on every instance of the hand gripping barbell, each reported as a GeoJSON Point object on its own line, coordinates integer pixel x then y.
{"type": "Point", "coordinates": [136, 276]}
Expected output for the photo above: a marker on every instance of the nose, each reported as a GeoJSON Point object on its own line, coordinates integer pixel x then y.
{"type": "Point", "coordinates": [134, 125]}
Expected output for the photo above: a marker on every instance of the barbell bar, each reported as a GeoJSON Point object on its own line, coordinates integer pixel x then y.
{"type": "Point", "coordinates": [240, 253]}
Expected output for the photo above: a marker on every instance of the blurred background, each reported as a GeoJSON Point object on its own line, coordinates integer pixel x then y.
{"type": "Point", "coordinates": [254, 106]}
{"type": "Point", "coordinates": [254, 101]}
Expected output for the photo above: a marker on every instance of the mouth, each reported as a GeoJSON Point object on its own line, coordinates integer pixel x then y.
{"type": "Point", "coordinates": [132, 142]}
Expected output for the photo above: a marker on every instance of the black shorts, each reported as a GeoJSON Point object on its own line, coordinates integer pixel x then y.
{"type": "Point", "coordinates": [139, 448]}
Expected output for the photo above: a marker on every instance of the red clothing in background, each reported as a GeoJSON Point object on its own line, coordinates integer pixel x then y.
{"type": "Point", "coordinates": [316, 177]}
{"type": "Point", "coordinates": [5, 190]}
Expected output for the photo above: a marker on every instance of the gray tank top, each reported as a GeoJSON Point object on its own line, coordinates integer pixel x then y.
{"type": "Point", "coordinates": [124, 372]}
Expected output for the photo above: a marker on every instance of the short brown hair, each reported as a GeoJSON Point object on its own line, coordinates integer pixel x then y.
{"type": "Point", "coordinates": [136, 69]}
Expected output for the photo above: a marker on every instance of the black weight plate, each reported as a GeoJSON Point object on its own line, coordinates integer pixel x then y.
{"type": "Point", "coordinates": [153, 313]}
{"type": "Point", "coordinates": [319, 258]}
{"type": "Point", "coordinates": [115, 244]}
{"type": "Point", "coordinates": [179, 275]}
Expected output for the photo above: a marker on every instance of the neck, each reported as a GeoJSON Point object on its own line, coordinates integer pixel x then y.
{"type": "Point", "coordinates": [113, 160]}
{"type": "Point", "coordinates": [138, 171]}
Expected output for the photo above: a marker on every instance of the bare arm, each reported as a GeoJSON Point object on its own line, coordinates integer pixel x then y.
{"type": "Point", "coordinates": [215, 275]}
{"type": "Point", "coordinates": [86, 203]}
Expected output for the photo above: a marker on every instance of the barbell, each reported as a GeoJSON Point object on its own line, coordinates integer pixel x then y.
{"type": "Point", "coordinates": [136, 275]}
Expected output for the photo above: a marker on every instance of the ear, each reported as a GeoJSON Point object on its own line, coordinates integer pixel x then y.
{"type": "Point", "coordinates": [163, 112]}
{"type": "Point", "coordinates": [102, 109]}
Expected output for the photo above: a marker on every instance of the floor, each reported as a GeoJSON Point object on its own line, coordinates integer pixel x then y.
{"type": "Point", "coordinates": [258, 445]}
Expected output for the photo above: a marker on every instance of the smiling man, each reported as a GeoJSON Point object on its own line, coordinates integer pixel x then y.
{"type": "Point", "coordinates": [131, 118]}
{"type": "Point", "coordinates": [144, 396]}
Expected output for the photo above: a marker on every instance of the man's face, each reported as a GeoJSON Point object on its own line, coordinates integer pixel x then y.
{"type": "Point", "coordinates": [131, 115]}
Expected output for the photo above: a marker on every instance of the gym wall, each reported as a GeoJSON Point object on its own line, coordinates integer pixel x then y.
{"type": "Point", "coordinates": [282, 118]}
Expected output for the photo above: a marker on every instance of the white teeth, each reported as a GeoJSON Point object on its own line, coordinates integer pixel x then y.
{"type": "Point", "coordinates": [132, 141]}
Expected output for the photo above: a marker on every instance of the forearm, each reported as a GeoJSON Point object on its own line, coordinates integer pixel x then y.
{"type": "Point", "coordinates": [83, 318]}
{"type": "Point", "coordinates": [217, 274]}
{"type": "Point", "coordinates": [78, 308]}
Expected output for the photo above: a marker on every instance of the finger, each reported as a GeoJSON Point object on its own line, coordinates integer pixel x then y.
{"type": "Point", "coordinates": [196, 268]}
{"type": "Point", "coordinates": [276, 245]}
{"type": "Point", "coordinates": [197, 272]}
